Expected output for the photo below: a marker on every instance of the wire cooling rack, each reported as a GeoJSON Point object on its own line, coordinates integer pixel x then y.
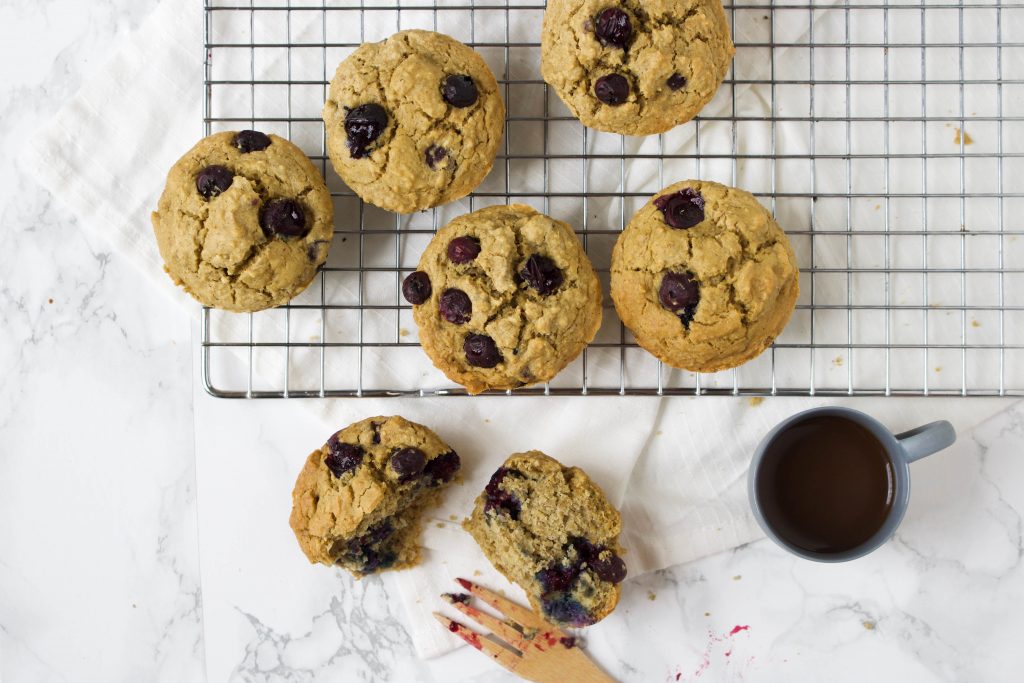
{"type": "Point", "coordinates": [883, 136]}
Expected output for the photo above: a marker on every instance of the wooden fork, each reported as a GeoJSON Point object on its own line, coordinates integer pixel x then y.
{"type": "Point", "coordinates": [526, 645]}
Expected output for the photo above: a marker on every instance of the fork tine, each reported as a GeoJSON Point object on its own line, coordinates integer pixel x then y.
{"type": "Point", "coordinates": [503, 656]}
{"type": "Point", "coordinates": [516, 613]}
{"type": "Point", "coordinates": [496, 626]}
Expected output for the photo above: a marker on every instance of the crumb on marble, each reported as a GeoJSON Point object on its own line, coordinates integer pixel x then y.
{"type": "Point", "coordinates": [737, 577]}
{"type": "Point", "coordinates": [402, 332]}
{"type": "Point", "coordinates": [477, 572]}
{"type": "Point", "coordinates": [453, 518]}
{"type": "Point", "coordinates": [967, 140]}
{"type": "Point", "coordinates": [837, 361]}
{"type": "Point", "coordinates": [755, 401]}
{"type": "Point", "coordinates": [50, 301]}
{"type": "Point", "coordinates": [869, 625]}
{"type": "Point", "coordinates": [652, 596]}
{"type": "Point", "coordinates": [975, 323]}
{"type": "Point", "coordinates": [707, 614]}
{"type": "Point", "coordinates": [938, 368]}
{"type": "Point", "coordinates": [440, 525]}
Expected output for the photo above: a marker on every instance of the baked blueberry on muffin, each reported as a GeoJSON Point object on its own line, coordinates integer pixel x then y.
{"type": "Point", "coordinates": [413, 121]}
{"type": "Point", "coordinates": [359, 498]}
{"type": "Point", "coordinates": [635, 67]}
{"type": "Point", "coordinates": [704, 277]}
{"type": "Point", "coordinates": [244, 221]}
{"type": "Point", "coordinates": [504, 297]}
{"type": "Point", "coordinates": [551, 530]}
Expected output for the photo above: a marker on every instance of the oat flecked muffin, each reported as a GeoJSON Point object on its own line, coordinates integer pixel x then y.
{"type": "Point", "coordinates": [359, 498]}
{"type": "Point", "coordinates": [413, 121]}
{"type": "Point", "coordinates": [551, 530]}
{"type": "Point", "coordinates": [635, 67]}
{"type": "Point", "coordinates": [504, 297]}
{"type": "Point", "coordinates": [704, 277]}
{"type": "Point", "coordinates": [244, 221]}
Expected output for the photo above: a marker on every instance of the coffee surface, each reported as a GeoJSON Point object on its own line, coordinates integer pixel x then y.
{"type": "Point", "coordinates": [826, 484]}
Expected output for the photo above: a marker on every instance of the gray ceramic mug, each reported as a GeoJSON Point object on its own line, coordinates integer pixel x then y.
{"type": "Point", "coordinates": [901, 449]}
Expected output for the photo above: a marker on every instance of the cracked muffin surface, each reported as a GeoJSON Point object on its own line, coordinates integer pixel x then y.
{"type": "Point", "coordinates": [413, 121]}
{"type": "Point", "coordinates": [504, 297]}
{"type": "Point", "coordinates": [704, 277]}
{"type": "Point", "coordinates": [551, 530]}
{"type": "Point", "coordinates": [359, 499]}
{"type": "Point", "coordinates": [244, 221]}
{"type": "Point", "coordinates": [635, 67]}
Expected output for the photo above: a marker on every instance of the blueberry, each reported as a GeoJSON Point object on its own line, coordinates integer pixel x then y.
{"type": "Point", "coordinates": [463, 249]}
{"type": "Point", "coordinates": [377, 560]}
{"type": "Point", "coordinates": [565, 609]}
{"type": "Point", "coordinates": [676, 81]}
{"type": "Point", "coordinates": [408, 462]}
{"type": "Point", "coordinates": [494, 483]}
{"type": "Point", "coordinates": [250, 141]}
{"type": "Point", "coordinates": [683, 209]}
{"type": "Point", "coordinates": [557, 578]}
{"type": "Point", "coordinates": [213, 180]}
{"type": "Point", "coordinates": [680, 293]}
{"type": "Point", "coordinates": [459, 91]}
{"type": "Point", "coordinates": [612, 89]}
{"type": "Point", "coordinates": [342, 457]}
{"type": "Point", "coordinates": [416, 287]}
{"type": "Point", "coordinates": [499, 499]}
{"type": "Point", "coordinates": [585, 550]}
{"type": "Point", "coordinates": [613, 27]}
{"type": "Point", "coordinates": [609, 568]}
{"type": "Point", "coordinates": [443, 467]}
{"type": "Point", "coordinates": [542, 274]}
{"type": "Point", "coordinates": [434, 155]}
{"type": "Point", "coordinates": [481, 351]}
{"type": "Point", "coordinates": [455, 306]}
{"type": "Point", "coordinates": [284, 218]}
{"type": "Point", "coordinates": [374, 535]}
{"type": "Point", "coordinates": [363, 125]}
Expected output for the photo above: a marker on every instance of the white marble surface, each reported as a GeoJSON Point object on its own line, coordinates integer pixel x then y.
{"type": "Point", "coordinates": [99, 562]}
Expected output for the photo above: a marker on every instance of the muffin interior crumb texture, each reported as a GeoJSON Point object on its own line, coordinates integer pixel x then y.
{"type": "Point", "coordinates": [551, 530]}
{"type": "Point", "coordinates": [359, 500]}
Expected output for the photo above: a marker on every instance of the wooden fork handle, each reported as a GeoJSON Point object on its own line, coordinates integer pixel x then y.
{"type": "Point", "coordinates": [576, 668]}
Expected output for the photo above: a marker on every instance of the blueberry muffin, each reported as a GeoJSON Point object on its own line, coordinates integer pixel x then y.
{"type": "Point", "coordinates": [359, 498]}
{"type": "Point", "coordinates": [413, 121]}
{"type": "Point", "coordinates": [244, 221]}
{"type": "Point", "coordinates": [635, 67]}
{"type": "Point", "coordinates": [504, 297]}
{"type": "Point", "coordinates": [551, 530]}
{"type": "Point", "coordinates": [704, 277]}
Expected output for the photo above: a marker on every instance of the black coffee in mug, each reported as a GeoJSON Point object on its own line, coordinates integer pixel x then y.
{"type": "Point", "coordinates": [826, 484]}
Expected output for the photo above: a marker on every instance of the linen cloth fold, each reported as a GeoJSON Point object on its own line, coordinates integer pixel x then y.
{"type": "Point", "coordinates": [105, 155]}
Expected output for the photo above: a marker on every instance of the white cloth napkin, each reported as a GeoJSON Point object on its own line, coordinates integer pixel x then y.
{"type": "Point", "coordinates": [105, 155]}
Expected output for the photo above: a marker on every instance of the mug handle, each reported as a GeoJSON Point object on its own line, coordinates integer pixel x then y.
{"type": "Point", "coordinates": [927, 439]}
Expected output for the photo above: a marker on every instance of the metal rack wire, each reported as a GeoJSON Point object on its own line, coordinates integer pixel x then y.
{"type": "Point", "coordinates": [883, 136]}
